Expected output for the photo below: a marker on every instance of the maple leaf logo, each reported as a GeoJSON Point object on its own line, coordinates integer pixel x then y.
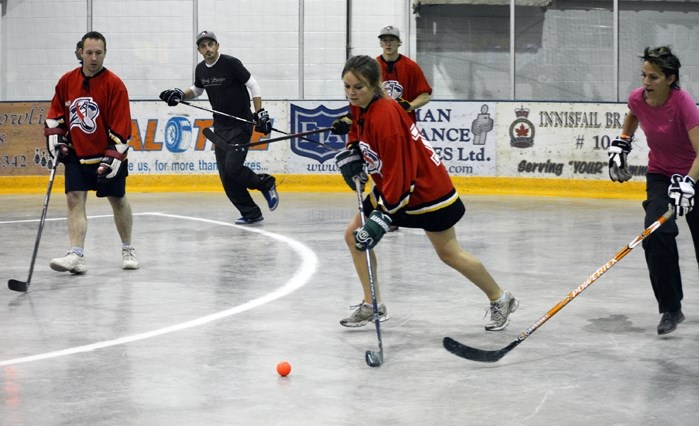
{"type": "Point", "coordinates": [522, 130]}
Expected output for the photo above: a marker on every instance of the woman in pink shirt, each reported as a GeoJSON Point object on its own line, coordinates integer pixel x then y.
{"type": "Point", "coordinates": [669, 118]}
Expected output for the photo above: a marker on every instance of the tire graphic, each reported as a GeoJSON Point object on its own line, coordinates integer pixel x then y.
{"type": "Point", "coordinates": [178, 134]}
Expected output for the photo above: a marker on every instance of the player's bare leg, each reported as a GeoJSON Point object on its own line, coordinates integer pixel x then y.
{"type": "Point", "coordinates": [74, 261]}
{"type": "Point", "coordinates": [502, 303]}
{"type": "Point", "coordinates": [364, 311]}
{"type": "Point", "coordinates": [359, 260]}
{"type": "Point", "coordinates": [123, 218]}
{"type": "Point", "coordinates": [450, 252]}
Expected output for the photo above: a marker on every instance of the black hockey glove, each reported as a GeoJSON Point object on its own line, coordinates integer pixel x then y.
{"type": "Point", "coordinates": [172, 96]}
{"type": "Point", "coordinates": [262, 122]}
{"type": "Point", "coordinates": [351, 164]}
{"type": "Point", "coordinates": [405, 104]}
{"type": "Point", "coordinates": [341, 126]}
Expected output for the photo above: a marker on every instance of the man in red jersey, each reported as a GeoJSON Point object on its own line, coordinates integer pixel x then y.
{"type": "Point", "coordinates": [403, 79]}
{"type": "Point", "coordinates": [88, 128]}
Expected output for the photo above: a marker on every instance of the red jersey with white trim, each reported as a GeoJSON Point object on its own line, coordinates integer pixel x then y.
{"type": "Point", "coordinates": [407, 172]}
{"type": "Point", "coordinates": [94, 110]}
{"type": "Point", "coordinates": [403, 78]}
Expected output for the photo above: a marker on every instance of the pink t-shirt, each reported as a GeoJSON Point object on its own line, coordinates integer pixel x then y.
{"type": "Point", "coordinates": [666, 128]}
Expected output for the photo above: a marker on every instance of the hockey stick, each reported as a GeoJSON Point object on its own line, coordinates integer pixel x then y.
{"type": "Point", "coordinates": [219, 142]}
{"type": "Point", "coordinates": [23, 286]}
{"type": "Point", "coordinates": [373, 358]}
{"type": "Point", "coordinates": [459, 349]}
{"type": "Point", "coordinates": [298, 135]}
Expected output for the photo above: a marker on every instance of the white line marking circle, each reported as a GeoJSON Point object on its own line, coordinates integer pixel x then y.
{"type": "Point", "coordinates": [300, 278]}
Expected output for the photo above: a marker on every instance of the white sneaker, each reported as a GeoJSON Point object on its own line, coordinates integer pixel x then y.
{"type": "Point", "coordinates": [128, 258]}
{"type": "Point", "coordinates": [71, 262]}
{"type": "Point", "coordinates": [363, 314]}
{"type": "Point", "coordinates": [500, 311]}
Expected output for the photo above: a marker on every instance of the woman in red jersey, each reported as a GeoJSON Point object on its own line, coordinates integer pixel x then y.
{"type": "Point", "coordinates": [411, 189]}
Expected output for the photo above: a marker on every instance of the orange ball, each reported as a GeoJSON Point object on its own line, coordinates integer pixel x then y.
{"type": "Point", "coordinates": [283, 368]}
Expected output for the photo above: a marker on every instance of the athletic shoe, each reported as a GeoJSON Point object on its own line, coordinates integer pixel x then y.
{"type": "Point", "coordinates": [500, 311]}
{"type": "Point", "coordinates": [128, 258]}
{"type": "Point", "coordinates": [71, 262]}
{"type": "Point", "coordinates": [271, 195]}
{"type": "Point", "coordinates": [248, 221]}
{"type": "Point", "coordinates": [364, 314]}
{"type": "Point", "coordinates": [669, 321]}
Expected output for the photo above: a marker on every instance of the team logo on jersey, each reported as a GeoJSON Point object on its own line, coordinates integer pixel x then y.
{"type": "Point", "coordinates": [304, 120]}
{"type": "Point", "coordinates": [393, 88]}
{"type": "Point", "coordinates": [83, 114]}
{"type": "Point", "coordinates": [372, 160]}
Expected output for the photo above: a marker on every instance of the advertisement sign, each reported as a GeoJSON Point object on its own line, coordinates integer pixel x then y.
{"type": "Point", "coordinates": [463, 134]}
{"type": "Point", "coordinates": [562, 140]}
{"type": "Point", "coordinates": [22, 142]}
{"type": "Point", "coordinates": [482, 139]}
{"type": "Point", "coordinates": [169, 140]}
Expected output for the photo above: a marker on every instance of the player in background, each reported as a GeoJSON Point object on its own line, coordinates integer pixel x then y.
{"type": "Point", "coordinates": [229, 85]}
{"type": "Point", "coordinates": [403, 79]}
{"type": "Point", "coordinates": [88, 128]}
{"type": "Point", "coordinates": [411, 188]}
{"type": "Point", "coordinates": [78, 52]}
{"type": "Point", "coordinates": [669, 118]}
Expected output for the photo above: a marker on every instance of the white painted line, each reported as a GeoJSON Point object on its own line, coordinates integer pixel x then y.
{"type": "Point", "coordinates": [309, 264]}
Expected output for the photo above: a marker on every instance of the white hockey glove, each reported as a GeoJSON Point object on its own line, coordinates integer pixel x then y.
{"type": "Point", "coordinates": [111, 163]}
{"type": "Point", "coordinates": [681, 191]}
{"type": "Point", "coordinates": [618, 165]}
{"type": "Point", "coordinates": [56, 143]}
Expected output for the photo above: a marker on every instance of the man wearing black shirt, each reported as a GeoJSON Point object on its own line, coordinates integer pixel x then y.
{"type": "Point", "coordinates": [229, 86]}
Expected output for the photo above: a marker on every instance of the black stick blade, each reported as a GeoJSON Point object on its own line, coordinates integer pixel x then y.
{"type": "Point", "coordinates": [373, 359]}
{"type": "Point", "coordinates": [16, 285]}
{"type": "Point", "coordinates": [463, 351]}
{"type": "Point", "coordinates": [216, 139]}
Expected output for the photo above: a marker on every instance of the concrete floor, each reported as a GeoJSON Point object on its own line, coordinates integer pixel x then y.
{"type": "Point", "coordinates": [193, 337]}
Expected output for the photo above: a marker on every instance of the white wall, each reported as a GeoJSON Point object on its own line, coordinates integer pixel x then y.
{"type": "Point", "coordinates": [150, 44]}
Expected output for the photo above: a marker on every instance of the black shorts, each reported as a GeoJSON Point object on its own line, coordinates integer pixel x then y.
{"type": "Point", "coordinates": [435, 221]}
{"type": "Point", "coordinates": [83, 177]}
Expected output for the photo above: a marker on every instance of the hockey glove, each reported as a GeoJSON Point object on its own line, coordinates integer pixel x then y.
{"type": "Point", "coordinates": [341, 126]}
{"type": "Point", "coordinates": [172, 96]}
{"type": "Point", "coordinates": [351, 164]}
{"type": "Point", "coordinates": [405, 104]}
{"type": "Point", "coordinates": [262, 122]}
{"type": "Point", "coordinates": [681, 191]}
{"type": "Point", "coordinates": [111, 163]}
{"type": "Point", "coordinates": [56, 143]}
{"type": "Point", "coordinates": [369, 235]}
{"type": "Point", "coordinates": [618, 165]}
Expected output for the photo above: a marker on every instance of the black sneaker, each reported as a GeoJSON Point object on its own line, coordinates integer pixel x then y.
{"type": "Point", "coordinates": [248, 221]}
{"type": "Point", "coordinates": [669, 321]}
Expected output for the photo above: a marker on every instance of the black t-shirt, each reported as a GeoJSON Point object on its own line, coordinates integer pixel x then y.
{"type": "Point", "coordinates": [225, 86]}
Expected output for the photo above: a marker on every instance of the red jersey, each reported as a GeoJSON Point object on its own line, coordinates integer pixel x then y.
{"type": "Point", "coordinates": [403, 78]}
{"type": "Point", "coordinates": [95, 111]}
{"type": "Point", "coordinates": [408, 174]}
